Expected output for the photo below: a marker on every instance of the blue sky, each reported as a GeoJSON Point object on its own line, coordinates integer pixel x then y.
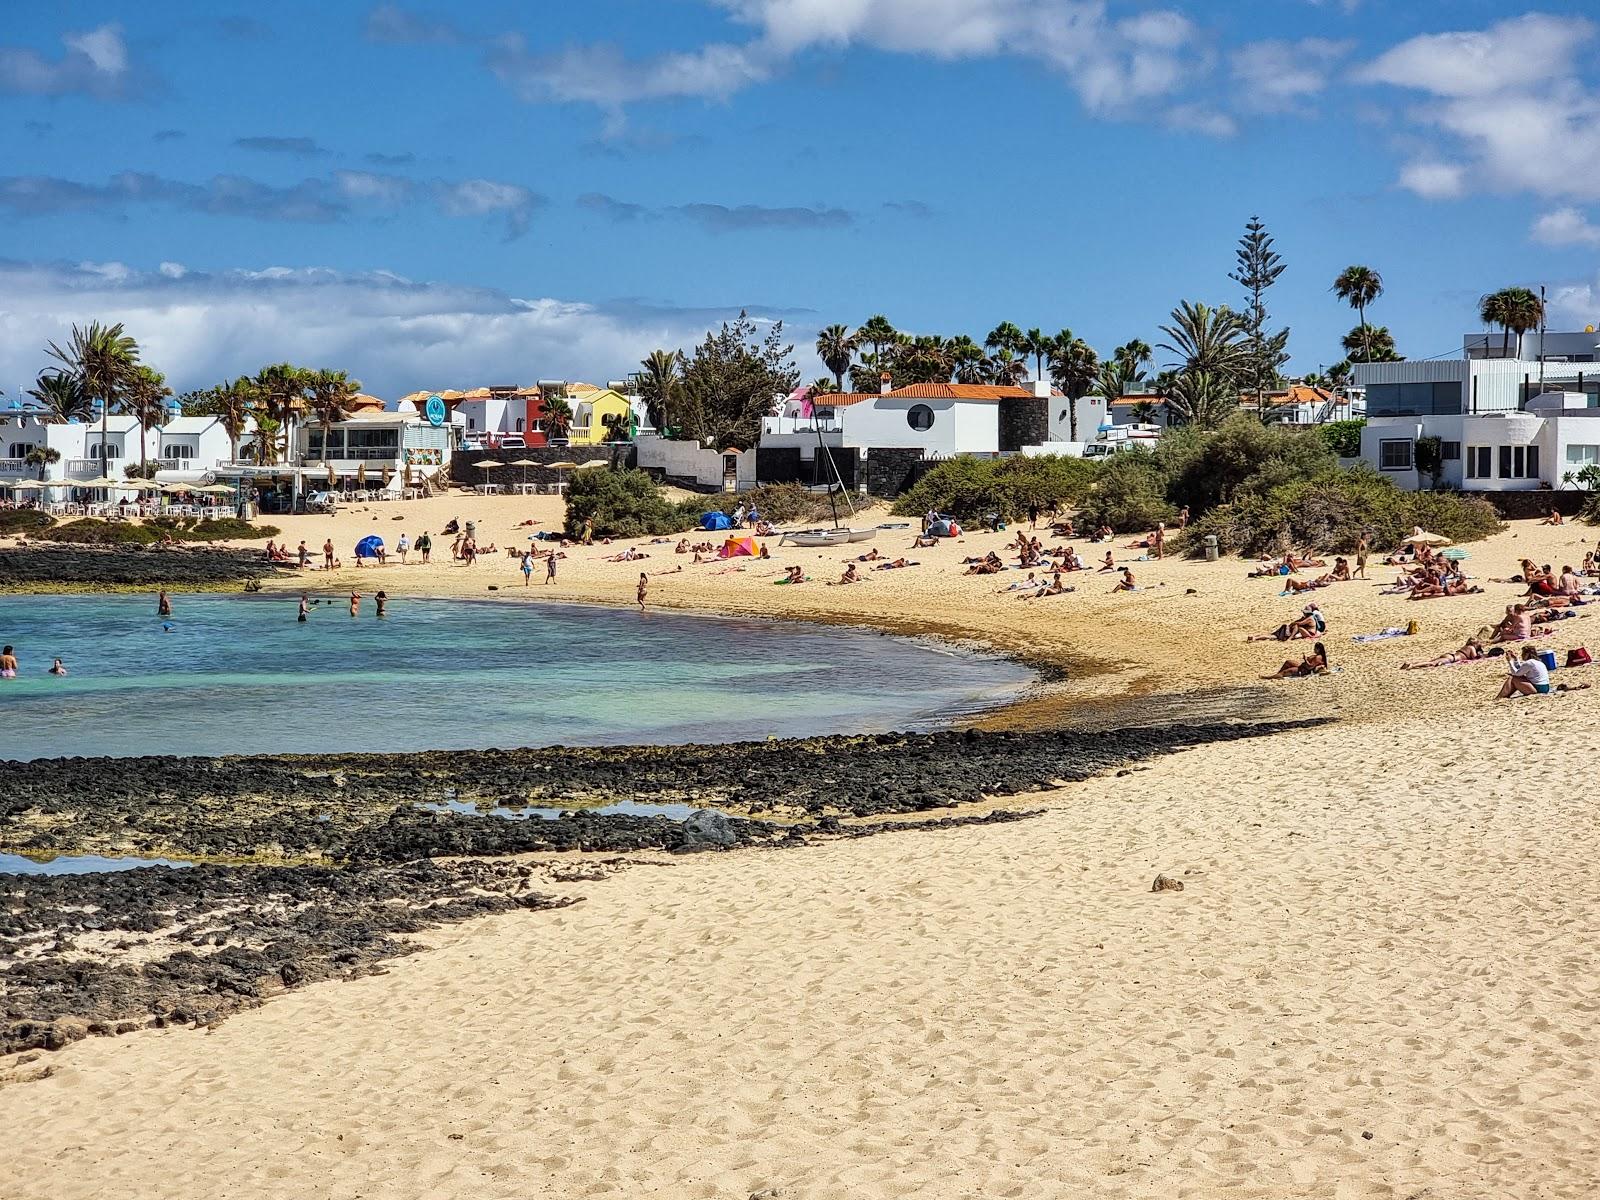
{"type": "Point", "coordinates": [500, 192]}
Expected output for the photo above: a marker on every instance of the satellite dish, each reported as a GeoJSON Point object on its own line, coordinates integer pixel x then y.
{"type": "Point", "coordinates": [433, 409]}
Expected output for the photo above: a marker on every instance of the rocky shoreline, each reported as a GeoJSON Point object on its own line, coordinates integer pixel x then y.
{"type": "Point", "coordinates": [361, 864]}
{"type": "Point", "coordinates": [37, 567]}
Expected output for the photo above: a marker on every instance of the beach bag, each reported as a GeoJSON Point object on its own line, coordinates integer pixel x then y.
{"type": "Point", "coordinates": [1578, 657]}
{"type": "Point", "coordinates": [1413, 628]}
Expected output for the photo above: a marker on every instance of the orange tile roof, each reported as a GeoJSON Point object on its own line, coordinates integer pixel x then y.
{"type": "Point", "coordinates": [927, 391]}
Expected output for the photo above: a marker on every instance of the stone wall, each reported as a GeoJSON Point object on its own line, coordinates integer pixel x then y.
{"type": "Point", "coordinates": [1024, 422]}
{"type": "Point", "coordinates": [462, 471]}
{"type": "Point", "coordinates": [891, 471]}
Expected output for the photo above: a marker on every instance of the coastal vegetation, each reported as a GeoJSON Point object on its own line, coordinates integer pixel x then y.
{"type": "Point", "coordinates": [90, 531]}
{"type": "Point", "coordinates": [973, 488]}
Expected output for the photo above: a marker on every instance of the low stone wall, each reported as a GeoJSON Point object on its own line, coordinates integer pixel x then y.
{"type": "Point", "coordinates": [462, 471]}
{"type": "Point", "coordinates": [1023, 422]}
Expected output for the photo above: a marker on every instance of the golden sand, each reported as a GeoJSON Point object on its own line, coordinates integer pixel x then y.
{"type": "Point", "coordinates": [1386, 929]}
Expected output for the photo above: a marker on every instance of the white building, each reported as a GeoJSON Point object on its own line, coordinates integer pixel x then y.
{"type": "Point", "coordinates": [1504, 423]}
{"type": "Point", "coordinates": [181, 446]}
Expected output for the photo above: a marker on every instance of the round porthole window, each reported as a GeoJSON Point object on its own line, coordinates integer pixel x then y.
{"type": "Point", "coordinates": [919, 416]}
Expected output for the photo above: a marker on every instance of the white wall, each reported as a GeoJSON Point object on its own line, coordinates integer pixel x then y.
{"type": "Point", "coordinates": [690, 460]}
{"type": "Point", "coordinates": [1091, 412]}
{"type": "Point", "coordinates": [959, 426]}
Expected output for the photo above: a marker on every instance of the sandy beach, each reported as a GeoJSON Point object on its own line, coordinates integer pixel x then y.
{"type": "Point", "coordinates": [1377, 980]}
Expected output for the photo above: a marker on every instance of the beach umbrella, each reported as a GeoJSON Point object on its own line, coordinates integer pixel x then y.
{"type": "Point", "coordinates": [1421, 537]}
{"type": "Point", "coordinates": [361, 475]}
{"type": "Point", "coordinates": [593, 463]}
{"type": "Point", "coordinates": [1457, 554]}
{"type": "Point", "coordinates": [333, 477]}
{"type": "Point", "coordinates": [524, 463]}
{"type": "Point", "coordinates": [486, 465]}
{"type": "Point", "coordinates": [388, 474]}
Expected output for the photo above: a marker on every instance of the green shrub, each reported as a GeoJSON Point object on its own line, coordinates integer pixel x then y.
{"type": "Point", "coordinates": [624, 504]}
{"type": "Point", "coordinates": [90, 531]}
{"type": "Point", "coordinates": [1343, 437]}
{"type": "Point", "coordinates": [227, 529]}
{"type": "Point", "coordinates": [1332, 511]}
{"type": "Point", "coordinates": [779, 503]}
{"type": "Point", "coordinates": [1205, 468]}
{"type": "Point", "coordinates": [971, 488]}
{"type": "Point", "coordinates": [19, 521]}
{"type": "Point", "coordinates": [1129, 495]}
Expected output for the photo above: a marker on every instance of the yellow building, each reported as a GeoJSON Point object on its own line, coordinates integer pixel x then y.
{"type": "Point", "coordinates": [590, 407]}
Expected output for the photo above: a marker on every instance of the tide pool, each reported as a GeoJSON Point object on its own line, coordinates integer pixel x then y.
{"type": "Point", "coordinates": [239, 675]}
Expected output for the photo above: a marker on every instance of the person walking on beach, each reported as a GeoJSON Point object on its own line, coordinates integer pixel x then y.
{"type": "Point", "coordinates": [163, 604]}
{"type": "Point", "coordinates": [327, 555]}
{"type": "Point", "coordinates": [588, 531]}
{"type": "Point", "coordinates": [8, 664]}
{"type": "Point", "coordinates": [1158, 541]}
{"type": "Point", "coordinates": [550, 569]}
{"type": "Point", "coordinates": [1362, 548]}
{"type": "Point", "coordinates": [305, 607]}
{"type": "Point", "coordinates": [402, 547]}
{"type": "Point", "coordinates": [425, 546]}
{"type": "Point", "coordinates": [355, 604]}
{"type": "Point", "coordinates": [305, 554]}
{"type": "Point", "coordinates": [383, 603]}
{"type": "Point", "coordinates": [644, 589]}
{"type": "Point", "coordinates": [1183, 517]}
{"type": "Point", "coordinates": [527, 568]}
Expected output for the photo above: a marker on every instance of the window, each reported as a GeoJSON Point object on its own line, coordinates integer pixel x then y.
{"type": "Point", "coordinates": [519, 424]}
{"type": "Point", "coordinates": [1479, 462]}
{"type": "Point", "coordinates": [111, 451]}
{"type": "Point", "coordinates": [177, 450]}
{"type": "Point", "coordinates": [1413, 399]}
{"type": "Point", "coordinates": [1394, 454]}
{"type": "Point", "coordinates": [1519, 462]}
{"type": "Point", "coordinates": [20, 449]}
{"type": "Point", "coordinates": [919, 417]}
{"type": "Point", "coordinates": [471, 423]}
{"type": "Point", "coordinates": [1579, 457]}
{"type": "Point", "coordinates": [1450, 451]}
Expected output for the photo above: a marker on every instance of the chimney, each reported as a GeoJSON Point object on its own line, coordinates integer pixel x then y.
{"type": "Point", "coordinates": [885, 384]}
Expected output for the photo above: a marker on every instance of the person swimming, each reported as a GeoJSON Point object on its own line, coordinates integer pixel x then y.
{"type": "Point", "coordinates": [58, 667]}
{"type": "Point", "coordinates": [8, 664]}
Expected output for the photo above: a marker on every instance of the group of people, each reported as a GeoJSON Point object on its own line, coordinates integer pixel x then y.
{"type": "Point", "coordinates": [9, 665]}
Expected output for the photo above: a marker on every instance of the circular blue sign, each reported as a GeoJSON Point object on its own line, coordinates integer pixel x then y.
{"type": "Point", "coordinates": [434, 410]}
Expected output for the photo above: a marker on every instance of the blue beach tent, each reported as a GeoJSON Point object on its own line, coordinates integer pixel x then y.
{"type": "Point", "coordinates": [716, 520]}
{"type": "Point", "coordinates": [369, 546]}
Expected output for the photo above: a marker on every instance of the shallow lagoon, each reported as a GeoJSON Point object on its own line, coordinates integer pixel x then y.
{"type": "Point", "coordinates": [236, 674]}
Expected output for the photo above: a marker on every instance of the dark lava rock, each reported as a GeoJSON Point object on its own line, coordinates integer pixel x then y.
{"type": "Point", "coordinates": [133, 566]}
{"type": "Point", "coordinates": [705, 829]}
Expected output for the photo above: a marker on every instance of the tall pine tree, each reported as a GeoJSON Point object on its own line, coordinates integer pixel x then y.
{"type": "Point", "coordinates": [1258, 269]}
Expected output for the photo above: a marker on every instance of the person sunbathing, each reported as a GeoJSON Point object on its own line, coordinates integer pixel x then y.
{"type": "Point", "coordinates": [1054, 588]}
{"type": "Point", "coordinates": [988, 565]}
{"type": "Point", "coordinates": [1554, 518]}
{"type": "Point", "coordinates": [870, 556]}
{"type": "Point", "coordinates": [1517, 625]}
{"type": "Point", "coordinates": [1315, 663]}
{"type": "Point", "coordinates": [1108, 565]}
{"type": "Point", "coordinates": [1125, 584]}
{"type": "Point", "coordinates": [1031, 583]}
{"type": "Point", "coordinates": [682, 547]}
{"type": "Point", "coordinates": [1063, 528]}
{"type": "Point", "coordinates": [762, 529]}
{"type": "Point", "coordinates": [895, 564]}
{"type": "Point", "coordinates": [793, 575]}
{"type": "Point", "coordinates": [1528, 676]}
{"type": "Point", "coordinates": [851, 575]}
{"type": "Point", "coordinates": [1308, 624]}
{"type": "Point", "coordinates": [1471, 650]}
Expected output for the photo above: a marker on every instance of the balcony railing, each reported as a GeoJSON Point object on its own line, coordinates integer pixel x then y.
{"type": "Point", "coordinates": [15, 466]}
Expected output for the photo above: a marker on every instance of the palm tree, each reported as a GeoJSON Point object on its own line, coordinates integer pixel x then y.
{"type": "Point", "coordinates": [1368, 343]}
{"type": "Point", "coordinates": [42, 457]}
{"type": "Point", "coordinates": [658, 385]}
{"type": "Point", "coordinates": [836, 347]}
{"type": "Point", "coordinates": [1358, 287]}
{"type": "Point", "coordinates": [236, 401]}
{"type": "Point", "coordinates": [557, 416]}
{"type": "Point", "coordinates": [102, 359]}
{"type": "Point", "coordinates": [63, 397]}
{"type": "Point", "coordinates": [1006, 336]}
{"type": "Point", "coordinates": [1112, 381]}
{"type": "Point", "coordinates": [1524, 312]}
{"type": "Point", "coordinates": [966, 359]}
{"type": "Point", "coordinates": [1039, 345]}
{"type": "Point", "coordinates": [1134, 355]}
{"type": "Point", "coordinates": [281, 391]}
{"type": "Point", "coordinates": [927, 359]}
{"type": "Point", "coordinates": [1493, 310]}
{"type": "Point", "coordinates": [877, 333]}
{"type": "Point", "coordinates": [1207, 339]}
{"type": "Point", "coordinates": [1202, 398]}
{"type": "Point", "coordinates": [823, 387]}
{"type": "Point", "coordinates": [1004, 367]}
{"type": "Point", "coordinates": [329, 395]}
{"type": "Point", "coordinates": [1074, 367]}
{"type": "Point", "coordinates": [147, 403]}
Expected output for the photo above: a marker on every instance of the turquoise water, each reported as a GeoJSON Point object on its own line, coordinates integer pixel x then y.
{"type": "Point", "coordinates": [237, 675]}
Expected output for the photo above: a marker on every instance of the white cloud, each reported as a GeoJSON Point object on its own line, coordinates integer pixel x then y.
{"type": "Point", "coordinates": [1433, 180]}
{"type": "Point", "coordinates": [1573, 305]}
{"type": "Point", "coordinates": [1195, 118]}
{"type": "Point", "coordinates": [392, 333]}
{"type": "Point", "coordinates": [94, 63]}
{"type": "Point", "coordinates": [1509, 103]}
{"type": "Point", "coordinates": [1511, 55]}
{"type": "Point", "coordinates": [1565, 227]}
{"type": "Point", "coordinates": [1273, 76]}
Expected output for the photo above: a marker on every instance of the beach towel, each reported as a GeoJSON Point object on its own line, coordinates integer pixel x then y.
{"type": "Point", "coordinates": [1381, 635]}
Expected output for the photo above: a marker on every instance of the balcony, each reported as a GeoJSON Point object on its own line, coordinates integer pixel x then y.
{"type": "Point", "coordinates": [15, 466]}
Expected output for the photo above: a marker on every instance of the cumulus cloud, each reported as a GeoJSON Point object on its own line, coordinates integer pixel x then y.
{"type": "Point", "coordinates": [394, 334]}
{"type": "Point", "coordinates": [1197, 118]}
{"type": "Point", "coordinates": [1565, 227]}
{"type": "Point", "coordinates": [1113, 64]}
{"type": "Point", "coordinates": [721, 218]}
{"type": "Point", "coordinates": [94, 63]}
{"type": "Point", "coordinates": [317, 200]}
{"type": "Point", "coordinates": [1275, 76]}
{"type": "Point", "coordinates": [1508, 102]}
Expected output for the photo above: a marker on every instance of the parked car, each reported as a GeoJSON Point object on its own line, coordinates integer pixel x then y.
{"type": "Point", "coordinates": [513, 441]}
